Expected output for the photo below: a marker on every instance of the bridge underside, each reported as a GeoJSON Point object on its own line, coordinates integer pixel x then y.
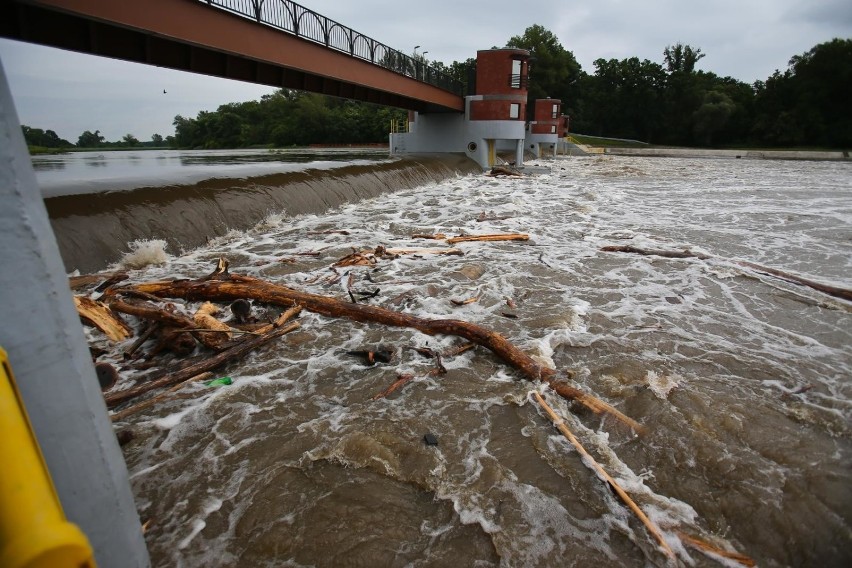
{"type": "Point", "coordinates": [188, 36]}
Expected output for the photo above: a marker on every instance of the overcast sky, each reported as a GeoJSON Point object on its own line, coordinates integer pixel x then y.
{"type": "Point", "coordinates": [745, 39]}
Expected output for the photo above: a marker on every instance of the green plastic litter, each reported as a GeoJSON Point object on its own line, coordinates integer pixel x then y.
{"type": "Point", "coordinates": [220, 382]}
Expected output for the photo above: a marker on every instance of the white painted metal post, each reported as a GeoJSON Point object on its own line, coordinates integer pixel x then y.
{"type": "Point", "coordinates": [47, 349]}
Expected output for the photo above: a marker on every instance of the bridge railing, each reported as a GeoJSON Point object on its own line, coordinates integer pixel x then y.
{"type": "Point", "coordinates": [306, 24]}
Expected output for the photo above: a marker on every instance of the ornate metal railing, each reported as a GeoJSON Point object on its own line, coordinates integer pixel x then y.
{"type": "Point", "coordinates": [306, 24]}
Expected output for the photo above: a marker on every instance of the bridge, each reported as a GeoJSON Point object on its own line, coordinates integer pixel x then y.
{"type": "Point", "coordinates": [269, 42]}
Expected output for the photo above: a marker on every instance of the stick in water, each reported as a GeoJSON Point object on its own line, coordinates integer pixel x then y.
{"type": "Point", "coordinates": [652, 528]}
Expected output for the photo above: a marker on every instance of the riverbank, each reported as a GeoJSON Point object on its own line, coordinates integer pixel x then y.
{"type": "Point", "coordinates": [729, 154]}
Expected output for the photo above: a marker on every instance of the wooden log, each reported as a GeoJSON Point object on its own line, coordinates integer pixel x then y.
{"type": "Point", "coordinates": [438, 251]}
{"type": "Point", "coordinates": [208, 364]}
{"type": "Point", "coordinates": [436, 236]}
{"type": "Point", "coordinates": [143, 337]}
{"type": "Point", "coordinates": [494, 237]}
{"type": "Point", "coordinates": [560, 424]}
{"type": "Point", "coordinates": [85, 280]}
{"type": "Point", "coordinates": [363, 258]}
{"type": "Point", "coordinates": [248, 287]}
{"type": "Point", "coordinates": [130, 410]}
{"type": "Point", "coordinates": [504, 171]}
{"type": "Point", "coordinates": [655, 252]}
{"type": "Point", "coordinates": [398, 383]}
{"type": "Point", "coordinates": [712, 550]}
{"type": "Point", "coordinates": [464, 302]}
{"type": "Point", "coordinates": [98, 314]}
{"type": "Point", "coordinates": [203, 318]}
{"type": "Point", "coordinates": [837, 292]}
{"type": "Point", "coordinates": [170, 319]}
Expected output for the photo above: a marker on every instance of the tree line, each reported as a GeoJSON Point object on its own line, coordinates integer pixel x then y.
{"type": "Point", "coordinates": [38, 139]}
{"type": "Point", "coordinates": [672, 103]}
{"type": "Point", "coordinates": [667, 103]}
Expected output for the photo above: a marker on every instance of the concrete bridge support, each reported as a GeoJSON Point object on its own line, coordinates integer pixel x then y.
{"type": "Point", "coordinates": [42, 335]}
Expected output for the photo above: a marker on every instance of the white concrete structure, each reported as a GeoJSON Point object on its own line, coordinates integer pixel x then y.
{"type": "Point", "coordinates": [456, 133]}
{"type": "Point", "coordinates": [47, 349]}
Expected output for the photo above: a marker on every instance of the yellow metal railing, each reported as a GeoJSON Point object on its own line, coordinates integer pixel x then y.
{"type": "Point", "coordinates": [33, 530]}
{"type": "Point", "coordinates": [399, 126]}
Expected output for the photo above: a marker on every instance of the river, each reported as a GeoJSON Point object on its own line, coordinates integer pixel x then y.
{"type": "Point", "coordinates": [741, 379]}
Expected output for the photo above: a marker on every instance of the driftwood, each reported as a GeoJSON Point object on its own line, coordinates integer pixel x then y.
{"type": "Point", "coordinates": [143, 337]}
{"type": "Point", "coordinates": [464, 302]}
{"type": "Point", "coordinates": [837, 292]}
{"type": "Point", "coordinates": [588, 459]}
{"type": "Point", "coordinates": [208, 364]}
{"type": "Point", "coordinates": [399, 382]}
{"type": "Point", "coordinates": [504, 171]}
{"type": "Point", "coordinates": [436, 236]}
{"type": "Point", "coordinates": [439, 251]}
{"type": "Point", "coordinates": [246, 287]}
{"type": "Point", "coordinates": [116, 416]}
{"type": "Point", "coordinates": [712, 550]}
{"type": "Point", "coordinates": [204, 319]}
{"type": "Point", "coordinates": [654, 252]}
{"type": "Point", "coordinates": [483, 217]}
{"type": "Point", "coordinates": [106, 279]}
{"type": "Point", "coordinates": [495, 237]}
{"type": "Point", "coordinates": [98, 314]}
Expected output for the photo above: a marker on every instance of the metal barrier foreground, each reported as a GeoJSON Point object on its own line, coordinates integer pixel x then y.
{"type": "Point", "coordinates": [306, 24]}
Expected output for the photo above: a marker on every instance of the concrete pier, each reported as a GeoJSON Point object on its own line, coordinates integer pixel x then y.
{"type": "Point", "coordinates": [47, 349]}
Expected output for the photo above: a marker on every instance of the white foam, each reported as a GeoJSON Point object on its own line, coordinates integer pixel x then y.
{"type": "Point", "coordinates": [145, 253]}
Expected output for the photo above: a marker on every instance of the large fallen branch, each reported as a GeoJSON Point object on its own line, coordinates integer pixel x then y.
{"type": "Point", "coordinates": [98, 315]}
{"type": "Point", "coordinates": [837, 292]}
{"type": "Point", "coordinates": [246, 287]}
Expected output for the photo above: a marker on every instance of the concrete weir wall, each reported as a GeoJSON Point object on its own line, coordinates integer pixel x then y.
{"type": "Point", "coordinates": [42, 335]}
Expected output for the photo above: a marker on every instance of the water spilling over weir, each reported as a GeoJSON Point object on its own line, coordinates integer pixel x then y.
{"type": "Point", "coordinates": [94, 229]}
{"type": "Point", "coordinates": [742, 380]}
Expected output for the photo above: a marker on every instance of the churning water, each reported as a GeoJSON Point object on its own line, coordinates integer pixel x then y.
{"type": "Point", "coordinates": [742, 380]}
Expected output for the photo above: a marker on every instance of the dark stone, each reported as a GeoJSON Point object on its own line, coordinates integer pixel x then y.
{"type": "Point", "coordinates": [430, 439]}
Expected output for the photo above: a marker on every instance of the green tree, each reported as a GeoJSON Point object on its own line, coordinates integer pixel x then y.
{"type": "Point", "coordinates": [712, 116]}
{"type": "Point", "coordinates": [45, 138]}
{"type": "Point", "coordinates": [808, 104]}
{"type": "Point", "coordinates": [129, 140]}
{"type": "Point", "coordinates": [680, 58]}
{"type": "Point", "coordinates": [683, 93]}
{"type": "Point", "coordinates": [553, 71]}
{"type": "Point", "coordinates": [90, 139]}
{"type": "Point", "coordinates": [157, 140]}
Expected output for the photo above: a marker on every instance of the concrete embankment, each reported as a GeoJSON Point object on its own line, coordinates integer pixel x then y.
{"type": "Point", "coordinates": [730, 154]}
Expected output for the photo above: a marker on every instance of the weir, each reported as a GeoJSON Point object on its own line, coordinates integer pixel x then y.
{"type": "Point", "coordinates": [42, 335]}
{"type": "Point", "coordinates": [94, 230]}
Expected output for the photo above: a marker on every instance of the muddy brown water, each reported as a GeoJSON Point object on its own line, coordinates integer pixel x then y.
{"type": "Point", "coordinates": [742, 380]}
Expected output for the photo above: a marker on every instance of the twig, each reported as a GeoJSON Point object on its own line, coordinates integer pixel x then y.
{"type": "Point", "coordinates": [399, 382]}
{"type": "Point", "coordinates": [652, 528]}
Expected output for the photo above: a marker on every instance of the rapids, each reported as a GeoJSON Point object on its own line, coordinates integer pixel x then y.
{"type": "Point", "coordinates": [742, 380]}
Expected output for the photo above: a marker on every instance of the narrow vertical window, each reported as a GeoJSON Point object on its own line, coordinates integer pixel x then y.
{"type": "Point", "coordinates": [555, 113]}
{"type": "Point", "coordinates": [514, 110]}
{"type": "Point", "coordinates": [515, 78]}
{"type": "Point", "coordinates": [553, 129]}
